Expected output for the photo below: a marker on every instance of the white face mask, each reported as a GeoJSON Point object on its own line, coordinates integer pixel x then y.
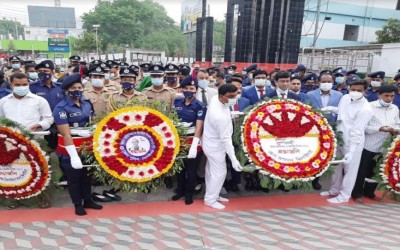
{"type": "Point", "coordinates": [384, 104]}
{"type": "Point", "coordinates": [21, 90]}
{"type": "Point", "coordinates": [326, 86]}
{"type": "Point", "coordinates": [146, 74]}
{"type": "Point", "coordinates": [251, 76]}
{"type": "Point", "coordinates": [268, 83]}
{"type": "Point", "coordinates": [238, 96]}
{"type": "Point", "coordinates": [98, 83]}
{"type": "Point", "coordinates": [355, 95]}
{"type": "Point", "coordinates": [375, 84]}
{"type": "Point", "coordinates": [260, 82]}
{"type": "Point", "coordinates": [231, 102]}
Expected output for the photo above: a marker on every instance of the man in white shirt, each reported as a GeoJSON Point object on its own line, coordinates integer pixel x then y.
{"type": "Point", "coordinates": [204, 93]}
{"type": "Point", "coordinates": [31, 111]}
{"type": "Point", "coordinates": [385, 122]}
{"type": "Point", "coordinates": [217, 143]}
{"type": "Point", "coordinates": [354, 114]}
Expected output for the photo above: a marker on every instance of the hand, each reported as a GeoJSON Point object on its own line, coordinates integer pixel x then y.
{"type": "Point", "coordinates": [76, 163]}
{"type": "Point", "coordinates": [394, 131]}
{"type": "Point", "coordinates": [193, 148]}
{"type": "Point", "coordinates": [348, 157]}
{"type": "Point", "coordinates": [35, 127]}
{"type": "Point", "coordinates": [236, 165]}
{"type": "Point", "coordinates": [330, 109]}
{"type": "Point", "coordinates": [385, 129]}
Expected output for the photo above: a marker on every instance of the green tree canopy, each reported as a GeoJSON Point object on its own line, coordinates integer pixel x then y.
{"type": "Point", "coordinates": [390, 33]}
{"type": "Point", "coordinates": [11, 27]}
{"type": "Point", "coordinates": [85, 43]}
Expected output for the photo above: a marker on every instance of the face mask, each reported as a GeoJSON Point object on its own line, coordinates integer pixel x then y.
{"type": "Point", "coordinates": [244, 72]}
{"type": "Point", "coordinates": [212, 84]}
{"type": "Point", "coordinates": [355, 95]}
{"type": "Point", "coordinates": [203, 84]}
{"type": "Point", "coordinates": [146, 74]}
{"type": "Point", "coordinates": [84, 81]}
{"type": "Point", "coordinates": [16, 65]}
{"type": "Point", "coordinates": [98, 83]}
{"type": "Point", "coordinates": [384, 104]}
{"type": "Point", "coordinates": [21, 90]}
{"type": "Point", "coordinates": [326, 86]}
{"type": "Point", "coordinates": [375, 84]}
{"type": "Point", "coordinates": [171, 79]}
{"type": "Point", "coordinates": [112, 75]}
{"type": "Point", "coordinates": [309, 87]}
{"type": "Point", "coordinates": [230, 72]}
{"type": "Point", "coordinates": [127, 85]}
{"type": "Point", "coordinates": [268, 83]}
{"type": "Point", "coordinates": [260, 82]}
{"type": "Point", "coordinates": [157, 81]}
{"type": "Point", "coordinates": [76, 94]}
{"type": "Point", "coordinates": [339, 79]}
{"type": "Point", "coordinates": [251, 76]}
{"type": "Point", "coordinates": [107, 76]}
{"type": "Point", "coordinates": [33, 75]}
{"type": "Point", "coordinates": [44, 76]}
{"type": "Point", "coordinates": [231, 102]}
{"type": "Point", "coordinates": [238, 96]}
{"type": "Point", "coordinates": [188, 94]}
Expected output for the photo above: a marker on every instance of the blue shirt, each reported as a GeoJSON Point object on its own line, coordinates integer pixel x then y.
{"type": "Point", "coordinates": [372, 95]}
{"type": "Point", "coordinates": [196, 110]}
{"type": "Point", "coordinates": [396, 100]}
{"type": "Point", "coordinates": [343, 91]}
{"type": "Point", "coordinates": [4, 91]}
{"type": "Point", "coordinates": [67, 112]}
{"type": "Point", "coordinates": [53, 95]}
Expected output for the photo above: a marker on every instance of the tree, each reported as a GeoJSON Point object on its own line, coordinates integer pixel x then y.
{"type": "Point", "coordinates": [11, 27]}
{"type": "Point", "coordinates": [86, 43]}
{"type": "Point", "coordinates": [390, 33]}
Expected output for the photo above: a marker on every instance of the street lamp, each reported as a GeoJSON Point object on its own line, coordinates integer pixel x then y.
{"type": "Point", "coordinates": [96, 26]}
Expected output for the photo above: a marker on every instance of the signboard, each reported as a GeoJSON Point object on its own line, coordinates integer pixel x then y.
{"type": "Point", "coordinates": [58, 36]}
{"type": "Point", "coordinates": [59, 49]}
{"type": "Point", "coordinates": [54, 42]}
{"type": "Point", "coordinates": [191, 10]}
{"type": "Point", "coordinates": [57, 31]}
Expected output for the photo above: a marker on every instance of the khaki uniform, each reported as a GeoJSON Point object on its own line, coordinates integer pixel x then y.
{"type": "Point", "coordinates": [112, 86]}
{"type": "Point", "coordinates": [10, 73]}
{"type": "Point", "coordinates": [99, 100]}
{"type": "Point", "coordinates": [178, 91]}
{"type": "Point", "coordinates": [118, 100]}
{"type": "Point", "coordinates": [165, 95]}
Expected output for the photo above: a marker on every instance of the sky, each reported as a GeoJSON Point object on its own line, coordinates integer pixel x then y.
{"type": "Point", "coordinates": [18, 10]}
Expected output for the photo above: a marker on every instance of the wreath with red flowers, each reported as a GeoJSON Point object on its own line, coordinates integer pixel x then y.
{"type": "Point", "coordinates": [390, 167]}
{"type": "Point", "coordinates": [136, 144]}
{"type": "Point", "coordinates": [24, 172]}
{"type": "Point", "coordinates": [288, 141]}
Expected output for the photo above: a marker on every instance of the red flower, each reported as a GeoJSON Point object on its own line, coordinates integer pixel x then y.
{"type": "Point", "coordinates": [126, 118]}
{"type": "Point", "coordinates": [106, 143]}
{"type": "Point", "coordinates": [138, 117]}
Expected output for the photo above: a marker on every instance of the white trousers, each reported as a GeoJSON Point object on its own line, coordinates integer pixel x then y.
{"type": "Point", "coordinates": [215, 175]}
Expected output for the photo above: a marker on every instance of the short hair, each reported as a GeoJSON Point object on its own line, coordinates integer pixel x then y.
{"type": "Point", "coordinates": [387, 88]}
{"type": "Point", "coordinates": [360, 82]}
{"type": "Point", "coordinates": [29, 65]}
{"type": "Point", "coordinates": [220, 73]}
{"type": "Point", "coordinates": [202, 70]}
{"type": "Point", "coordinates": [237, 75]}
{"type": "Point", "coordinates": [324, 74]}
{"type": "Point", "coordinates": [236, 79]}
{"type": "Point", "coordinates": [227, 88]}
{"type": "Point", "coordinates": [282, 74]}
{"type": "Point", "coordinates": [18, 76]}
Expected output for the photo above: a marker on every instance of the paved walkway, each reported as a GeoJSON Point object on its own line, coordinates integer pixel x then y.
{"type": "Point", "coordinates": [295, 221]}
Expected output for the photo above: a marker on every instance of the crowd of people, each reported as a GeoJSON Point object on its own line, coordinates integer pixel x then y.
{"type": "Point", "coordinates": [38, 98]}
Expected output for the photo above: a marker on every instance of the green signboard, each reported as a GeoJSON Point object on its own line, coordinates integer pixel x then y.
{"type": "Point", "coordinates": [56, 42]}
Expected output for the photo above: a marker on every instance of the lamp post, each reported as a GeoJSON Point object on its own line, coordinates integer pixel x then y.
{"type": "Point", "coordinates": [96, 26]}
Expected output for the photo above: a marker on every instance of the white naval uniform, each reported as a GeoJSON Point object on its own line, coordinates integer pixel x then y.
{"type": "Point", "coordinates": [353, 118]}
{"type": "Point", "coordinates": [216, 143]}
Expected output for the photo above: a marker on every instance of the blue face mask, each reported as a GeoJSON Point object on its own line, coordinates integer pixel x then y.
{"type": "Point", "coordinates": [171, 79]}
{"type": "Point", "coordinates": [127, 85]}
{"type": "Point", "coordinates": [21, 90]}
{"type": "Point", "coordinates": [339, 79]}
{"type": "Point", "coordinates": [16, 66]}
{"type": "Point", "coordinates": [44, 76]}
{"type": "Point", "coordinates": [203, 84]}
{"type": "Point", "coordinates": [33, 75]}
{"type": "Point", "coordinates": [188, 94]}
{"type": "Point", "coordinates": [157, 81]}
{"type": "Point", "coordinates": [76, 94]}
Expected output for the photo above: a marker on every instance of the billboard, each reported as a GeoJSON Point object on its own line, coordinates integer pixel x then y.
{"type": "Point", "coordinates": [51, 17]}
{"type": "Point", "coordinates": [58, 41]}
{"type": "Point", "coordinates": [191, 10]}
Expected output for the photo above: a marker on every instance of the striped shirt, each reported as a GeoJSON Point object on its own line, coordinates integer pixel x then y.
{"type": "Point", "coordinates": [382, 116]}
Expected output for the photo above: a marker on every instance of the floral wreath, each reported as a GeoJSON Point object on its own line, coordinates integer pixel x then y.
{"type": "Point", "coordinates": [136, 144]}
{"type": "Point", "coordinates": [288, 141]}
{"type": "Point", "coordinates": [390, 167]}
{"type": "Point", "coordinates": [24, 172]}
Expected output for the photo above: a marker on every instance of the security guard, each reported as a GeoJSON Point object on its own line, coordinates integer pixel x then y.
{"type": "Point", "coordinates": [231, 69]}
{"type": "Point", "coordinates": [74, 60]}
{"type": "Point", "coordinates": [97, 93]}
{"type": "Point", "coordinates": [377, 79]}
{"type": "Point", "coordinates": [192, 111]}
{"type": "Point", "coordinates": [16, 67]}
{"type": "Point", "coordinates": [159, 92]}
{"type": "Point", "coordinates": [172, 80]}
{"type": "Point", "coordinates": [184, 71]}
{"type": "Point", "coordinates": [340, 76]}
{"type": "Point", "coordinates": [75, 112]}
{"type": "Point", "coordinates": [128, 93]}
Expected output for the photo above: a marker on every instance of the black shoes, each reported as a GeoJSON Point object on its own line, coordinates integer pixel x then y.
{"type": "Point", "coordinates": [110, 194]}
{"type": "Point", "coordinates": [188, 200]}
{"type": "Point", "coordinates": [100, 198]}
{"type": "Point", "coordinates": [168, 182]}
{"type": "Point", "coordinates": [79, 210]}
{"type": "Point", "coordinates": [316, 184]}
{"type": "Point", "coordinates": [91, 204]}
{"type": "Point", "coordinates": [176, 197]}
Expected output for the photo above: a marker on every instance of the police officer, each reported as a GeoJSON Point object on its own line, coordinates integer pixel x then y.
{"type": "Point", "coordinates": [5, 89]}
{"type": "Point", "coordinates": [97, 93]}
{"type": "Point", "coordinates": [113, 70]}
{"type": "Point", "coordinates": [31, 72]}
{"type": "Point", "coordinates": [158, 91]}
{"type": "Point", "coordinates": [184, 71]}
{"type": "Point", "coordinates": [192, 111]}
{"type": "Point", "coordinates": [172, 80]}
{"type": "Point", "coordinates": [309, 82]}
{"type": "Point", "coordinates": [73, 63]}
{"type": "Point", "coordinates": [376, 81]}
{"type": "Point", "coordinates": [340, 80]}
{"type": "Point", "coordinates": [75, 112]}
{"type": "Point", "coordinates": [128, 93]}
{"type": "Point", "coordinates": [247, 81]}
{"type": "Point", "coordinates": [231, 69]}
{"type": "Point", "coordinates": [16, 67]}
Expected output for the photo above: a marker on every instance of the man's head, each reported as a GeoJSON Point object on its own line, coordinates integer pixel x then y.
{"type": "Point", "coordinates": [376, 78]}
{"type": "Point", "coordinates": [45, 70]}
{"type": "Point", "coordinates": [238, 84]}
{"type": "Point", "coordinates": [20, 84]}
{"type": "Point", "coordinates": [295, 84]}
{"type": "Point", "coordinates": [202, 78]}
{"type": "Point", "coordinates": [282, 80]}
{"type": "Point", "coordinates": [15, 62]}
{"type": "Point", "coordinates": [31, 72]}
{"type": "Point", "coordinates": [325, 82]}
{"type": "Point", "coordinates": [386, 94]}
{"type": "Point", "coordinates": [357, 89]}
{"type": "Point", "coordinates": [227, 94]}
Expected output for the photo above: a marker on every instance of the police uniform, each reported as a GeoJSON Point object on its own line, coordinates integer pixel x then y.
{"type": "Point", "coordinates": [164, 95]}
{"type": "Point", "coordinates": [190, 113]}
{"type": "Point", "coordinates": [173, 81]}
{"type": "Point", "coordinates": [121, 98]}
{"type": "Point", "coordinates": [67, 112]}
{"type": "Point", "coordinates": [309, 87]}
{"type": "Point", "coordinates": [14, 59]}
{"type": "Point", "coordinates": [111, 85]}
{"type": "Point", "coordinates": [4, 91]}
{"type": "Point", "coordinates": [184, 71]}
{"type": "Point", "coordinates": [98, 98]}
{"type": "Point", "coordinates": [372, 95]}
{"type": "Point", "coordinates": [341, 87]}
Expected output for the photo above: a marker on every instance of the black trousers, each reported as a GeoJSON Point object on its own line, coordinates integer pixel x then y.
{"type": "Point", "coordinates": [366, 170]}
{"type": "Point", "coordinates": [79, 182]}
{"type": "Point", "coordinates": [235, 175]}
{"type": "Point", "coordinates": [52, 138]}
{"type": "Point", "coordinates": [188, 176]}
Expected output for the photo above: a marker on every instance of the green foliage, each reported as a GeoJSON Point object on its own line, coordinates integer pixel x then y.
{"type": "Point", "coordinates": [85, 43]}
{"type": "Point", "coordinates": [10, 27]}
{"type": "Point", "coordinates": [390, 33]}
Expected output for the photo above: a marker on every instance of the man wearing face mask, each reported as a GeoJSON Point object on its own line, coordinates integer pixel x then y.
{"type": "Point", "coordinates": [231, 69]}
{"type": "Point", "coordinates": [15, 67]}
{"type": "Point", "coordinates": [144, 79]}
{"type": "Point", "coordinates": [247, 81]}
{"type": "Point", "coordinates": [184, 71]}
{"type": "Point", "coordinates": [340, 80]}
{"type": "Point", "coordinates": [171, 79]}
{"type": "Point", "coordinates": [353, 117]}
{"type": "Point", "coordinates": [110, 84]}
{"type": "Point", "coordinates": [376, 81]}
{"type": "Point", "coordinates": [384, 123]}
{"type": "Point", "coordinates": [308, 82]}
{"type": "Point", "coordinates": [295, 85]}
{"type": "Point", "coordinates": [31, 72]}
{"type": "Point", "coordinates": [217, 142]}
{"type": "Point", "coordinates": [204, 93]}
{"type": "Point", "coordinates": [260, 87]}
{"type": "Point", "coordinates": [113, 70]}
{"type": "Point", "coordinates": [128, 93]}
{"type": "Point", "coordinates": [97, 93]}
{"type": "Point", "coordinates": [158, 91]}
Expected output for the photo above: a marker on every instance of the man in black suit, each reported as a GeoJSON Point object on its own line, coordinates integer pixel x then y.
{"type": "Point", "coordinates": [282, 82]}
